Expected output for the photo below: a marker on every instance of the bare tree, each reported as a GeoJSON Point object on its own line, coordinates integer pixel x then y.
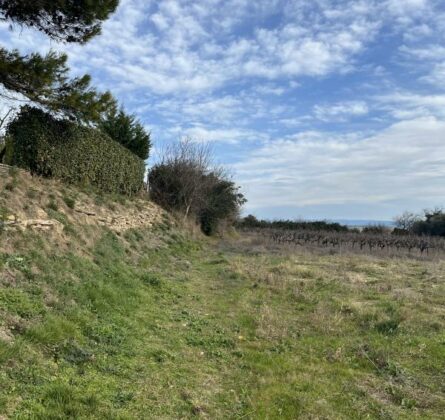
{"type": "Point", "coordinates": [183, 166]}
{"type": "Point", "coordinates": [406, 220]}
{"type": "Point", "coordinates": [187, 181]}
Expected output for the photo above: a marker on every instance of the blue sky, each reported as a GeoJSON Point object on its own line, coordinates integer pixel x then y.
{"type": "Point", "coordinates": [321, 108]}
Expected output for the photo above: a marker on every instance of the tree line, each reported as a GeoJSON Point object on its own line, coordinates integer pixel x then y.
{"type": "Point", "coordinates": [251, 221]}
{"type": "Point", "coordinates": [430, 223]}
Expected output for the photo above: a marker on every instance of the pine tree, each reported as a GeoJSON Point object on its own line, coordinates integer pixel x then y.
{"type": "Point", "coordinates": [44, 80]}
{"type": "Point", "coordinates": [61, 20]}
{"type": "Point", "coordinates": [126, 130]}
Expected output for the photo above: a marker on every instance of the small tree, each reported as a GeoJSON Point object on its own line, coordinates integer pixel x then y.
{"type": "Point", "coordinates": [184, 182]}
{"type": "Point", "coordinates": [406, 221]}
{"type": "Point", "coordinates": [433, 224]}
{"type": "Point", "coordinates": [177, 182]}
{"type": "Point", "coordinates": [223, 203]}
{"type": "Point", "coordinates": [127, 131]}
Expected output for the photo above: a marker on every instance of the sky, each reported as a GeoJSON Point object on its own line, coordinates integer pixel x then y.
{"type": "Point", "coordinates": [327, 109]}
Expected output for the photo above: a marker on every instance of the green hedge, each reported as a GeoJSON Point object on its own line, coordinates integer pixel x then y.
{"type": "Point", "coordinates": [48, 147]}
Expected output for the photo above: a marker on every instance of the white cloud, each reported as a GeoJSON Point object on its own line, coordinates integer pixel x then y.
{"type": "Point", "coordinates": [200, 133]}
{"type": "Point", "coordinates": [172, 46]}
{"type": "Point", "coordinates": [404, 162]}
{"type": "Point", "coordinates": [436, 76]}
{"type": "Point", "coordinates": [407, 105]}
{"type": "Point", "coordinates": [341, 111]}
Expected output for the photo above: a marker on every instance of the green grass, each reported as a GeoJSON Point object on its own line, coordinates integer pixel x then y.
{"type": "Point", "coordinates": [152, 324]}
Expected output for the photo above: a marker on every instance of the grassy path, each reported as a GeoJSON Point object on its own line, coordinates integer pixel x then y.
{"type": "Point", "coordinates": [154, 325]}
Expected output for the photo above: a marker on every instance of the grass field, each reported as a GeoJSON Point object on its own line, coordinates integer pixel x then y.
{"type": "Point", "coordinates": [153, 324]}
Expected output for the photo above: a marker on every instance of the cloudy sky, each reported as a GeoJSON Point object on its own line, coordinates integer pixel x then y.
{"type": "Point", "coordinates": [321, 108]}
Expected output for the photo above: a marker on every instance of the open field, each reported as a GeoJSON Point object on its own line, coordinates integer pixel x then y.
{"type": "Point", "coordinates": [153, 324]}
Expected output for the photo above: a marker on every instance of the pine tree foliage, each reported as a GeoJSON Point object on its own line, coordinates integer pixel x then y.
{"type": "Point", "coordinates": [126, 130]}
{"type": "Point", "coordinates": [44, 80]}
{"type": "Point", "coordinates": [61, 20]}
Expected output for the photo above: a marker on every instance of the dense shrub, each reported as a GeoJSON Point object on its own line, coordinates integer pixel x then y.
{"type": "Point", "coordinates": [168, 187]}
{"type": "Point", "coordinates": [182, 182]}
{"type": "Point", "coordinates": [433, 224]}
{"type": "Point", "coordinates": [222, 203]}
{"type": "Point", "coordinates": [375, 229]}
{"type": "Point", "coordinates": [49, 147]}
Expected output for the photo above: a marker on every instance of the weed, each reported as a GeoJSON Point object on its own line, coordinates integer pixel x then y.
{"type": "Point", "coordinates": [150, 279]}
{"type": "Point", "coordinates": [73, 353]}
{"type": "Point", "coordinates": [52, 205]}
{"type": "Point", "coordinates": [69, 201]}
{"type": "Point", "coordinates": [12, 185]}
{"type": "Point", "coordinates": [32, 193]}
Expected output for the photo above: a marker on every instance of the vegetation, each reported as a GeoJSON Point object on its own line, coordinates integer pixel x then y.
{"type": "Point", "coordinates": [61, 20]}
{"type": "Point", "coordinates": [44, 80]}
{"type": "Point", "coordinates": [361, 241]}
{"type": "Point", "coordinates": [186, 182]}
{"type": "Point", "coordinates": [64, 150]}
{"type": "Point", "coordinates": [251, 222]}
{"type": "Point", "coordinates": [127, 131]}
{"type": "Point", "coordinates": [101, 321]}
{"type": "Point", "coordinates": [154, 324]}
{"type": "Point", "coordinates": [431, 224]}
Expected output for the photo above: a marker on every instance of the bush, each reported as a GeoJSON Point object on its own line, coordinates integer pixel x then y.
{"type": "Point", "coordinates": [183, 183]}
{"type": "Point", "coordinates": [222, 204]}
{"type": "Point", "coordinates": [38, 142]}
{"type": "Point", "coordinates": [375, 229]}
{"type": "Point", "coordinates": [70, 202]}
{"type": "Point", "coordinates": [433, 225]}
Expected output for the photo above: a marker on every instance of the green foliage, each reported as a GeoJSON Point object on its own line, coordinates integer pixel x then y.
{"type": "Point", "coordinates": [223, 203]}
{"type": "Point", "coordinates": [375, 229]}
{"type": "Point", "coordinates": [2, 148]}
{"type": "Point", "coordinates": [214, 198]}
{"type": "Point", "coordinates": [61, 20]}
{"type": "Point", "coordinates": [70, 202]}
{"type": "Point", "coordinates": [433, 224]}
{"type": "Point", "coordinates": [185, 182]}
{"type": "Point", "coordinates": [127, 131]}
{"type": "Point", "coordinates": [251, 222]}
{"type": "Point", "coordinates": [52, 205]}
{"type": "Point", "coordinates": [44, 80]}
{"type": "Point", "coordinates": [64, 150]}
